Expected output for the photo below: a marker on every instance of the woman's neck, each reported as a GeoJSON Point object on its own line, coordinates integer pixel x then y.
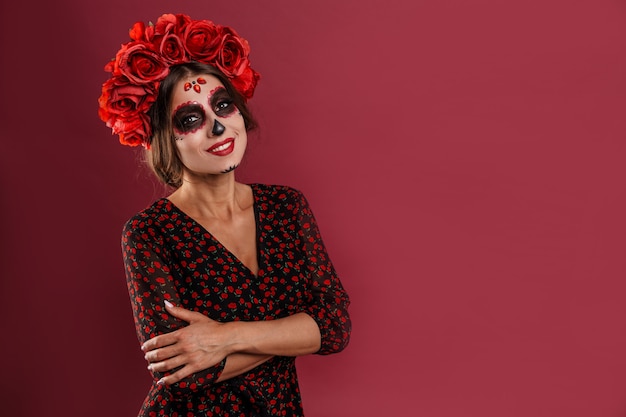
{"type": "Point", "coordinates": [217, 196]}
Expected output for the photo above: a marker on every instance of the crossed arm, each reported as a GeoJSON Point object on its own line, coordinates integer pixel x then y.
{"type": "Point", "coordinates": [245, 345]}
{"type": "Point", "coordinates": [187, 350]}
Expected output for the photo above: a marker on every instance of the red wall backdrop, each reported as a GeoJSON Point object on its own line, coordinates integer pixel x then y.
{"type": "Point", "coordinates": [465, 159]}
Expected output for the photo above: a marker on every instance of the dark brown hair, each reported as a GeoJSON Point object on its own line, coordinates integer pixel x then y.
{"type": "Point", "coordinates": [162, 156]}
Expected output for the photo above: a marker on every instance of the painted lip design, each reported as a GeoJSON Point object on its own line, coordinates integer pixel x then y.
{"type": "Point", "coordinates": [222, 148]}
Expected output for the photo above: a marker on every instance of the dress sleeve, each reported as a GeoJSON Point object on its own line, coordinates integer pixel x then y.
{"type": "Point", "coordinates": [150, 283]}
{"type": "Point", "coordinates": [327, 301]}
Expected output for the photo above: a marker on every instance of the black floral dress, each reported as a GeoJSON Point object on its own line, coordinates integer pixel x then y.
{"type": "Point", "coordinates": [168, 256]}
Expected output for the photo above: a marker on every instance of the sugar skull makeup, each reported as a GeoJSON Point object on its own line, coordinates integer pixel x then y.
{"type": "Point", "coordinates": [221, 102]}
{"type": "Point", "coordinates": [191, 116]}
{"type": "Point", "coordinates": [209, 130]}
{"type": "Point", "coordinates": [188, 118]}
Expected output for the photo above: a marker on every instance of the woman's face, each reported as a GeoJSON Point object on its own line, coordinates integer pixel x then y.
{"type": "Point", "coordinates": [209, 130]}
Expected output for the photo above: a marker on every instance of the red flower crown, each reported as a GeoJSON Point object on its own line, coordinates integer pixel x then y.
{"type": "Point", "coordinates": [141, 64]}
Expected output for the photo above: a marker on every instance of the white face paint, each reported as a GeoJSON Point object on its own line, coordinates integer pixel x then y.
{"type": "Point", "coordinates": [209, 129]}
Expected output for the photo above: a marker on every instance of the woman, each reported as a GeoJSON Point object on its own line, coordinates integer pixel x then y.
{"type": "Point", "coordinates": [228, 282]}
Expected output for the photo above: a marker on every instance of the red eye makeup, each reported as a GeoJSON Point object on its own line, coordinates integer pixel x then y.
{"type": "Point", "coordinates": [221, 102]}
{"type": "Point", "coordinates": [188, 118]}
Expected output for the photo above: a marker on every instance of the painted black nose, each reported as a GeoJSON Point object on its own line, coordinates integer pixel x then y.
{"type": "Point", "coordinates": [218, 128]}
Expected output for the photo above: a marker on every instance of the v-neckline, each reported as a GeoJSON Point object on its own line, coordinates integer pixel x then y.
{"type": "Point", "coordinates": [174, 207]}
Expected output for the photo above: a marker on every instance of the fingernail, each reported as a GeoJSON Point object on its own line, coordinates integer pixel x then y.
{"type": "Point", "coordinates": [160, 382]}
{"type": "Point", "coordinates": [168, 304]}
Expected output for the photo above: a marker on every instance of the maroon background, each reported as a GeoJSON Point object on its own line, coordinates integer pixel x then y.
{"type": "Point", "coordinates": [465, 160]}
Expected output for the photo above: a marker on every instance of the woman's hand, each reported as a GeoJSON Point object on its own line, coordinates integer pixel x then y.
{"type": "Point", "coordinates": [205, 342]}
{"type": "Point", "coordinates": [200, 345]}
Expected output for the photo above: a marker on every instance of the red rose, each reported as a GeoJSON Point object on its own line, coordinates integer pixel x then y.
{"type": "Point", "coordinates": [120, 98]}
{"type": "Point", "coordinates": [246, 82]}
{"type": "Point", "coordinates": [182, 21]}
{"type": "Point", "coordinates": [172, 49]}
{"type": "Point", "coordinates": [123, 108]}
{"type": "Point", "coordinates": [140, 64]}
{"type": "Point", "coordinates": [138, 32]}
{"type": "Point", "coordinates": [133, 131]}
{"type": "Point", "coordinates": [169, 23]}
{"type": "Point", "coordinates": [165, 24]}
{"type": "Point", "coordinates": [202, 40]}
{"type": "Point", "coordinates": [232, 59]}
{"type": "Point", "coordinates": [104, 102]}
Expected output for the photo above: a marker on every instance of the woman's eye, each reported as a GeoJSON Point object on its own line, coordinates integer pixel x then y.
{"type": "Point", "coordinates": [223, 107]}
{"type": "Point", "coordinates": [188, 121]}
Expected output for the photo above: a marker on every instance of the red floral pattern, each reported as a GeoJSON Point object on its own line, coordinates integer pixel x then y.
{"type": "Point", "coordinates": [168, 256]}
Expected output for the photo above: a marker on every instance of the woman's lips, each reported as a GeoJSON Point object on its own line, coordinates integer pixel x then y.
{"type": "Point", "coordinates": [222, 148]}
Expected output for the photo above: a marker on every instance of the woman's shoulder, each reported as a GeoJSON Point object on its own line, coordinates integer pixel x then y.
{"type": "Point", "coordinates": [151, 216]}
{"type": "Point", "coordinates": [277, 193]}
{"type": "Point", "coordinates": [283, 191]}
